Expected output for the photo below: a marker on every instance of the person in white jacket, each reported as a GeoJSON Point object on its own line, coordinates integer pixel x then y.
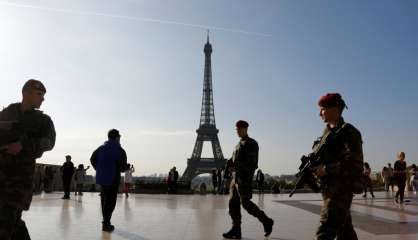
{"type": "Point", "coordinates": [128, 178]}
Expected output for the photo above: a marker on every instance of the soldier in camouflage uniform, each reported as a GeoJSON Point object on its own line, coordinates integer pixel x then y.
{"type": "Point", "coordinates": [341, 174]}
{"type": "Point", "coordinates": [243, 165]}
{"type": "Point", "coordinates": [35, 134]}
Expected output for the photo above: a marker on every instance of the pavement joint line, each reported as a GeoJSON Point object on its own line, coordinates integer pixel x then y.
{"type": "Point", "coordinates": [366, 222]}
{"type": "Point", "coordinates": [391, 209]}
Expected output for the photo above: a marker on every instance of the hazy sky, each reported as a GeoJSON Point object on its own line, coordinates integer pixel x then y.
{"type": "Point", "coordinates": [137, 65]}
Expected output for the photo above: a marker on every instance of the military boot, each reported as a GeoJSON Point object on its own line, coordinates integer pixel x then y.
{"type": "Point", "coordinates": [268, 226]}
{"type": "Point", "coordinates": [234, 233]}
{"type": "Point", "coordinates": [108, 228]}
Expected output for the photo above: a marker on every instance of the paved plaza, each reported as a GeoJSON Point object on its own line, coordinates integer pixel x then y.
{"type": "Point", "coordinates": [205, 217]}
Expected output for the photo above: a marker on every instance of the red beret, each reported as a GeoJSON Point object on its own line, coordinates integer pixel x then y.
{"type": "Point", "coordinates": [33, 84]}
{"type": "Point", "coordinates": [242, 124]}
{"type": "Point", "coordinates": [332, 100]}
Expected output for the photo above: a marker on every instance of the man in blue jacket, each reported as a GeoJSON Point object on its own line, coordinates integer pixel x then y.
{"type": "Point", "coordinates": [109, 160]}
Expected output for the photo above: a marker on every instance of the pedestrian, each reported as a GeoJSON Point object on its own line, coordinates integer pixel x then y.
{"type": "Point", "coordinates": [219, 180]}
{"type": "Point", "coordinates": [342, 172]}
{"type": "Point", "coordinates": [385, 177]}
{"type": "Point", "coordinates": [227, 177]}
{"type": "Point", "coordinates": [414, 177]}
{"type": "Point", "coordinates": [25, 134]}
{"type": "Point", "coordinates": [400, 177]}
{"type": "Point", "coordinates": [128, 178]}
{"type": "Point", "coordinates": [367, 180]}
{"type": "Point", "coordinates": [173, 178]}
{"type": "Point", "coordinates": [37, 180]}
{"type": "Point", "coordinates": [243, 163]}
{"type": "Point", "coordinates": [275, 188]}
{"type": "Point", "coordinates": [48, 179]}
{"type": "Point", "coordinates": [80, 178]}
{"type": "Point", "coordinates": [67, 172]}
{"type": "Point", "coordinates": [391, 177]}
{"type": "Point", "coordinates": [260, 181]}
{"type": "Point", "coordinates": [109, 160]}
{"type": "Point", "coordinates": [168, 180]}
{"type": "Point", "coordinates": [408, 179]}
{"type": "Point", "coordinates": [214, 180]}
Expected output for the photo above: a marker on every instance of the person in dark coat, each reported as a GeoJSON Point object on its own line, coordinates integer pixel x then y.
{"type": "Point", "coordinates": [48, 179]}
{"type": "Point", "coordinates": [26, 133]}
{"type": "Point", "coordinates": [214, 181]}
{"type": "Point", "coordinates": [227, 175]}
{"type": "Point", "coordinates": [67, 170]}
{"type": "Point", "coordinates": [400, 176]}
{"type": "Point", "coordinates": [173, 177]}
{"type": "Point", "coordinates": [109, 160]}
{"type": "Point", "coordinates": [367, 180]}
{"type": "Point", "coordinates": [243, 164]}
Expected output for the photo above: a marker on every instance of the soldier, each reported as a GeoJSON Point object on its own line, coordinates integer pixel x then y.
{"type": "Point", "coordinates": [341, 174]}
{"type": "Point", "coordinates": [34, 134]}
{"type": "Point", "coordinates": [244, 162]}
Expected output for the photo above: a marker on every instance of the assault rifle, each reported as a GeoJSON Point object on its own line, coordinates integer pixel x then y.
{"type": "Point", "coordinates": [9, 133]}
{"type": "Point", "coordinates": [306, 173]}
{"type": "Point", "coordinates": [309, 165]}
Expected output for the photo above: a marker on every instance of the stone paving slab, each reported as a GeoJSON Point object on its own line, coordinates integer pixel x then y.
{"type": "Point", "coordinates": [205, 217]}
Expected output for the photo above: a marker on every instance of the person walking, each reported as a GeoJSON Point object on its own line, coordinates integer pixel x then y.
{"type": "Point", "coordinates": [26, 133]}
{"type": "Point", "coordinates": [342, 172]}
{"type": "Point", "coordinates": [260, 181]}
{"type": "Point", "coordinates": [109, 160]}
{"type": "Point", "coordinates": [219, 180]}
{"type": "Point", "coordinates": [48, 179]}
{"type": "Point", "coordinates": [414, 170]}
{"type": "Point", "coordinates": [391, 177]}
{"type": "Point", "coordinates": [400, 177]}
{"type": "Point", "coordinates": [168, 180]}
{"type": "Point", "coordinates": [67, 172]}
{"type": "Point", "coordinates": [367, 180]}
{"type": "Point", "coordinates": [128, 178]}
{"type": "Point", "coordinates": [80, 178]}
{"type": "Point", "coordinates": [385, 177]}
{"type": "Point", "coordinates": [227, 177]}
{"type": "Point", "coordinates": [243, 164]}
{"type": "Point", "coordinates": [214, 181]}
{"type": "Point", "coordinates": [173, 177]}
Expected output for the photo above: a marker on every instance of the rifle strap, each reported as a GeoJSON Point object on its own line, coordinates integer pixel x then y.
{"type": "Point", "coordinates": [321, 143]}
{"type": "Point", "coordinates": [324, 138]}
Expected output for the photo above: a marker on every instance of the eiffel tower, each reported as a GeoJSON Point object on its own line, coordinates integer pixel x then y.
{"type": "Point", "coordinates": [207, 131]}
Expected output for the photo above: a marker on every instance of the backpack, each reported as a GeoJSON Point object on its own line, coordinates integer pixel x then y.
{"type": "Point", "coordinates": [356, 178]}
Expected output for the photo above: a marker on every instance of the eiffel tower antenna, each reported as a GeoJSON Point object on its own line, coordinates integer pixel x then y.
{"type": "Point", "coordinates": [208, 36]}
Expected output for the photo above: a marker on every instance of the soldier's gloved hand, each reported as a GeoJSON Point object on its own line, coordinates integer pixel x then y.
{"type": "Point", "coordinates": [320, 171]}
{"type": "Point", "coordinates": [13, 148]}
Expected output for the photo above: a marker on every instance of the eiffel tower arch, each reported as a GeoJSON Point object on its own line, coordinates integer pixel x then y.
{"type": "Point", "coordinates": [207, 131]}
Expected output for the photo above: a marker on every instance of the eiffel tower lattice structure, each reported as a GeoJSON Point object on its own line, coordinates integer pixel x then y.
{"type": "Point", "coordinates": [207, 131]}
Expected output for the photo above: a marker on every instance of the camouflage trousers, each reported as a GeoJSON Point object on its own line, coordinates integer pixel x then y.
{"type": "Point", "coordinates": [241, 194]}
{"type": "Point", "coordinates": [336, 219]}
{"type": "Point", "coordinates": [12, 227]}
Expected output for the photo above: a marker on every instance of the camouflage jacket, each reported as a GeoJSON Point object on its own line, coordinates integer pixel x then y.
{"type": "Point", "coordinates": [343, 157]}
{"type": "Point", "coordinates": [245, 158]}
{"type": "Point", "coordinates": [36, 133]}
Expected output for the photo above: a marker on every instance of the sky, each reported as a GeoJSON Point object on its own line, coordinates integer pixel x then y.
{"type": "Point", "coordinates": [137, 65]}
